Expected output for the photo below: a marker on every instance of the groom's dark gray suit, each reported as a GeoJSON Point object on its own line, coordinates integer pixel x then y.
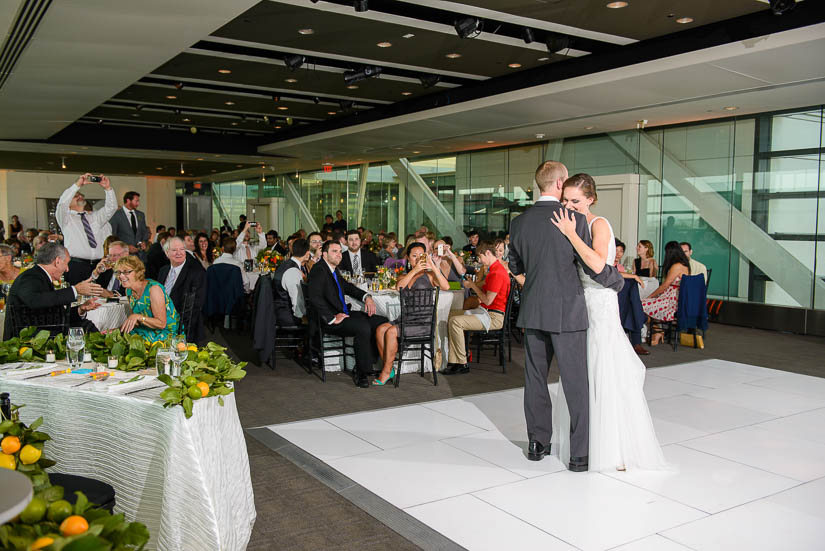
{"type": "Point", "coordinates": [553, 314]}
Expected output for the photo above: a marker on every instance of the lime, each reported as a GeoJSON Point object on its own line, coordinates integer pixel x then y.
{"type": "Point", "coordinates": [59, 510]}
{"type": "Point", "coordinates": [194, 392]}
{"type": "Point", "coordinates": [190, 381]}
{"type": "Point", "coordinates": [34, 511]}
{"type": "Point", "coordinates": [29, 454]}
{"type": "Point", "coordinates": [203, 356]}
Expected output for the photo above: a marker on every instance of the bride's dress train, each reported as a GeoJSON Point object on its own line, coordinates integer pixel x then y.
{"type": "Point", "coordinates": [621, 430]}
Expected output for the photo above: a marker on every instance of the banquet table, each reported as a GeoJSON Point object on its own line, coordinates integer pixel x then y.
{"type": "Point", "coordinates": [109, 315]}
{"type": "Point", "coordinates": [188, 480]}
{"type": "Point", "coordinates": [651, 284]}
{"type": "Point", "coordinates": [388, 304]}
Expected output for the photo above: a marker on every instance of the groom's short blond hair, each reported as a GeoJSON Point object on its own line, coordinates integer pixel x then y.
{"type": "Point", "coordinates": [548, 173]}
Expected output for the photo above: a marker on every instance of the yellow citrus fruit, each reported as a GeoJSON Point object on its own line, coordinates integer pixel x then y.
{"type": "Point", "coordinates": [204, 388]}
{"type": "Point", "coordinates": [23, 350]}
{"type": "Point", "coordinates": [192, 348]}
{"type": "Point", "coordinates": [181, 346]}
{"type": "Point", "coordinates": [29, 454]}
{"type": "Point", "coordinates": [10, 445]}
{"type": "Point", "coordinates": [34, 511]}
{"type": "Point", "coordinates": [73, 526]}
{"type": "Point", "coordinates": [8, 461]}
{"type": "Point", "coordinates": [60, 510]}
{"type": "Point", "coordinates": [40, 543]}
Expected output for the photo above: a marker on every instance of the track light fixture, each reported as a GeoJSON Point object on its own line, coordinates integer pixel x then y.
{"type": "Point", "coordinates": [468, 27]}
{"type": "Point", "coordinates": [346, 105]}
{"type": "Point", "coordinates": [294, 61]}
{"type": "Point", "coordinates": [557, 42]}
{"type": "Point", "coordinates": [527, 35]}
{"type": "Point", "coordinates": [361, 5]}
{"type": "Point", "coordinates": [365, 72]}
{"type": "Point", "coordinates": [428, 81]}
{"type": "Point", "coordinates": [778, 7]}
{"type": "Point", "coordinates": [138, 107]}
{"type": "Point", "coordinates": [316, 100]}
{"type": "Point", "coordinates": [181, 169]}
{"type": "Point", "coordinates": [63, 163]}
{"type": "Point", "coordinates": [179, 85]}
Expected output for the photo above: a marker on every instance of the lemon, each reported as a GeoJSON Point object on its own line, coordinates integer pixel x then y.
{"type": "Point", "coordinates": [9, 462]}
{"type": "Point", "coordinates": [34, 511]}
{"type": "Point", "coordinates": [10, 445]}
{"type": "Point", "coordinates": [29, 454]}
{"type": "Point", "coordinates": [194, 392]}
{"type": "Point", "coordinates": [192, 348]}
{"type": "Point", "coordinates": [23, 350]}
{"type": "Point", "coordinates": [59, 510]}
{"type": "Point", "coordinates": [40, 543]}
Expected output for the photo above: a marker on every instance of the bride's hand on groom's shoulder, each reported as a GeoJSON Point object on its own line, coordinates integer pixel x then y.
{"type": "Point", "coordinates": [566, 225]}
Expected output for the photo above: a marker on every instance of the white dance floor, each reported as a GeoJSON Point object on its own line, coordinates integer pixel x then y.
{"type": "Point", "coordinates": [747, 445]}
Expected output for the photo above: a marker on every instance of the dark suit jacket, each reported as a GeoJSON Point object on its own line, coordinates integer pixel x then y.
{"type": "Point", "coordinates": [552, 298]}
{"type": "Point", "coordinates": [122, 227]}
{"type": "Point", "coordinates": [34, 289]}
{"type": "Point", "coordinates": [105, 277]}
{"type": "Point", "coordinates": [155, 260]}
{"type": "Point", "coordinates": [323, 293]}
{"type": "Point", "coordinates": [192, 278]}
{"type": "Point", "coordinates": [369, 262]}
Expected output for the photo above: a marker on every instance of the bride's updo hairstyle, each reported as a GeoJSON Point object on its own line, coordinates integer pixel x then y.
{"type": "Point", "coordinates": [585, 183]}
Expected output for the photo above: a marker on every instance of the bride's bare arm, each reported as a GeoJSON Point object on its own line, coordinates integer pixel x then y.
{"type": "Point", "coordinates": [595, 257]}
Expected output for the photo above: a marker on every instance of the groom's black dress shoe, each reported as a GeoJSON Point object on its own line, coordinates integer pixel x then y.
{"type": "Point", "coordinates": [536, 452]}
{"type": "Point", "coordinates": [578, 464]}
{"type": "Point", "coordinates": [454, 369]}
{"type": "Point", "coordinates": [361, 381]}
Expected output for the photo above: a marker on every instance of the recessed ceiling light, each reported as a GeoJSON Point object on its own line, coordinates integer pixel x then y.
{"type": "Point", "coordinates": [291, 80]}
{"type": "Point", "coordinates": [306, 31]}
{"type": "Point", "coordinates": [282, 108]}
{"type": "Point", "coordinates": [731, 108]}
{"type": "Point", "coordinates": [234, 123]}
{"type": "Point", "coordinates": [330, 112]}
{"type": "Point", "coordinates": [158, 168]}
{"type": "Point", "coordinates": [416, 152]}
{"type": "Point", "coordinates": [186, 120]}
{"type": "Point", "coordinates": [588, 128]}
{"type": "Point", "coordinates": [491, 141]}
{"type": "Point", "coordinates": [617, 5]}
{"type": "Point", "coordinates": [514, 65]}
{"type": "Point", "coordinates": [199, 159]}
{"type": "Point", "coordinates": [352, 87]}
{"type": "Point", "coordinates": [278, 126]}
{"type": "Point", "coordinates": [453, 56]}
{"type": "Point", "coordinates": [544, 59]}
{"type": "Point", "coordinates": [684, 20]}
{"type": "Point", "coordinates": [229, 103]}
{"type": "Point", "coordinates": [135, 114]}
{"type": "Point", "coordinates": [539, 136]}
{"type": "Point", "coordinates": [224, 71]}
{"type": "Point", "coordinates": [408, 35]}
{"type": "Point", "coordinates": [238, 166]}
{"type": "Point", "coordinates": [384, 44]}
{"type": "Point", "coordinates": [406, 93]}
{"type": "Point", "coordinates": [171, 97]}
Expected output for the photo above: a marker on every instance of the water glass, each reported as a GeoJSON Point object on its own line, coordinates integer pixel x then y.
{"type": "Point", "coordinates": [163, 361]}
{"type": "Point", "coordinates": [75, 357]}
{"type": "Point", "coordinates": [179, 353]}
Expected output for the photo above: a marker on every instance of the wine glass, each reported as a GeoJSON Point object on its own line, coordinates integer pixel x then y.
{"type": "Point", "coordinates": [75, 344]}
{"type": "Point", "coordinates": [179, 353]}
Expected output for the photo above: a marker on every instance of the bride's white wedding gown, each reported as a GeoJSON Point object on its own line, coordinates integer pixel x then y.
{"type": "Point", "coordinates": [621, 430]}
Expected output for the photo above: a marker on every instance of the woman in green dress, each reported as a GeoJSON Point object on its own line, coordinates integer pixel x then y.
{"type": "Point", "coordinates": [153, 315]}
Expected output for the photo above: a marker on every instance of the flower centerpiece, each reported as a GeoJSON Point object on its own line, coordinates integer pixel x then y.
{"type": "Point", "coordinates": [269, 260]}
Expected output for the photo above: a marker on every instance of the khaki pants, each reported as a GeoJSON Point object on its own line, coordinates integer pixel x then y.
{"type": "Point", "coordinates": [458, 323]}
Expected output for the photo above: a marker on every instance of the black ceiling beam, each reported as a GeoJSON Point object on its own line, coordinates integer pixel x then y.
{"type": "Point", "coordinates": [740, 28]}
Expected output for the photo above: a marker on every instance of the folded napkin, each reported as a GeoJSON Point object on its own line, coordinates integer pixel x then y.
{"type": "Point", "coordinates": [148, 381]}
{"type": "Point", "coordinates": [30, 370]}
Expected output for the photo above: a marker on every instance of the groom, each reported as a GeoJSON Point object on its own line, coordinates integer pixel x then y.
{"type": "Point", "coordinates": [554, 315]}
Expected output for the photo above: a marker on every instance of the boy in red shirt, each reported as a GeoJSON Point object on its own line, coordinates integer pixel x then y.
{"type": "Point", "coordinates": [490, 316]}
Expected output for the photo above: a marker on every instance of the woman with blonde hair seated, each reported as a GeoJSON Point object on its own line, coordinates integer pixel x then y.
{"type": "Point", "coordinates": [153, 315]}
{"type": "Point", "coordinates": [8, 271]}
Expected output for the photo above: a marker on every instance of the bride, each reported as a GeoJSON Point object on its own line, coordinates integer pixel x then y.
{"type": "Point", "coordinates": [621, 430]}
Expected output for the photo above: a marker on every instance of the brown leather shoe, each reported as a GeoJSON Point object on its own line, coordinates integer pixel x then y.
{"type": "Point", "coordinates": [640, 350]}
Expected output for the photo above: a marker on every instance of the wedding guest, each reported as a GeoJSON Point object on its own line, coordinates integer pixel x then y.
{"type": "Point", "coordinates": [449, 263]}
{"type": "Point", "coordinates": [2, 232]}
{"type": "Point", "coordinates": [15, 226]}
{"type": "Point", "coordinates": [661, 304]}
{"type": "Point", "coordinates": [188, 241]}
{"type": "Point", "coordinates": [153, 316]}
{"type": "Point", "coordinates": [203, 250]}
{"type": "Point", "coordinates": [104, 273]}
{"type": "Point", "coordinates": [340, 223]}
{"type": "Point", "coordinates": [173, 231]}
{"type": "Point", "coordinates": [389, 250]}
{"type": "Point", "coordinates": [645, 264]}
{"type": "Point", "coordinates": [15, 246]}
{"type": "Point", "coordinates": [215, 236]}
{"type": "Point", "coordinates": [490, 315]}
{"type": "Point", "coordinates": [470, 247]}
{"type": "Point", "coordinates": [155, 257]}
{"type": "Point", "coordinates": [696, 267]}
{"type": "Point", "coordinates": [424, 274]}
{"type": "Point", "coordinates": [328, 224]}
{"type": "Point", "coordinates": [315, 241]}
{"type": "Point", "coordinates": [182, 276]}
{"type": "Point", "coordinates": [158, 229]}
{"type": "Point", "coordinates": [129, 224]}
{"type": "Point", "coordinates": [620, 248]}
{"type": "Point", "coordinates": [243, 249]}
{"type": "Point", "coordinates": [356, 259]}
{"type": "Point", "coordinates": [287, 287]}
{"type": "Point", "coordinates": [8, 272]}
{"type": "Point", "coordinates": [25, 245]}
{"type": "Point", "coordinates": [228, 257]}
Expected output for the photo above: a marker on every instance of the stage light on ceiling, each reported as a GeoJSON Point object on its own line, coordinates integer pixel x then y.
{"type": "Point", "coordinates": [617, 5]}
{"type": "Point", "coordinates": [684, 20]}
{"type": "Point", "coordinates": [179, 85]}
{"type": "Point", "coordinates": [527, 35]}
{"type": "Point", "coordinates": [187, 120]}
{"type": "Point", "coordinates": [224, 71]}
{"type": "Point", "coordinates": [384, 44]}
{"type": "Point", "coordinates": [514, 65]}
{"type": "Point", "coordinates": [171, 97]}
{"type": "Point", "coordinates": [778, 7]}
{"type": "Point", "coordinates": [229, 103]}
{"type": "Point", "coordinates": [360, 5]}
{"type": "Point", "coordinates": [181, 169]}
{"type": "Point", "coordinates": [468, 27]}
{"type": "Point", "coordinates": [557, 42]}
{"type": "Point", "coordinates": [316, 100]}
{"type": "Point", "coordinates": [408, 35]}
{"type": "Point", "coordinates": [283, 108]}
{"type": "Point", "coordinates": [406, 93]}
{"type": "Point", "coordinates": [352, 87]}
{"type": "Point", "coordinates": [63, 163]}
{"type": "Point", "coordinates": [428, 81]}
{"type": "Point", "coordinates": [291, 80]}
{"type": "Point", "coordinates": [330, 112]}
{"type": "Point", "coordinates": [731, 108]}
{"type": "Point", "coordinates": [365, 72]}
{"type": "Point", "coordinates": [306, 31]}
{"type": "Point", "coordinates": [453, 55]}
{"type": "Point", "coordinates": [294, 61]}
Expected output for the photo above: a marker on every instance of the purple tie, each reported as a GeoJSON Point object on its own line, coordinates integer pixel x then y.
{"type": "Point", "coordinates": [90, 235]}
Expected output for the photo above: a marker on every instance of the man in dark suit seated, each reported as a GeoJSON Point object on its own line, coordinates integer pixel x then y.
{"type": "Point", "coordinates": [184, 274]}
{"type": "Point", "coordinates": [357, 260]}
{"type": "Point", "coordinates": [34, 288]}
{"type": "Point", "coordinates": [327, 289]}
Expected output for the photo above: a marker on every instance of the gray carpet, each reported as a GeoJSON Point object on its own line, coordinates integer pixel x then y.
{"type": "Point", "coordinates": [296, 511]}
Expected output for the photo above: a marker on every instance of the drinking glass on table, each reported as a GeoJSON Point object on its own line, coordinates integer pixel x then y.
{"type": "Point", "coordinates": [75, 344]}
{"type": "Point", "coordinates": [179, 353]}
{"type": "Point", "coordinates": [163, 361]}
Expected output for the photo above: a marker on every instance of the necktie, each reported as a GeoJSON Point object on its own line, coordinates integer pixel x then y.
{"type": "Point", "coordinates": [356, 263]}
{"type": "Point", "coordinates": [340, 292]}
{"type": "Point", "coordinates": [170, 280]}
{"type": "Point", "coordinates": [134, 223]}
{"type": "Point", "coordinates": [87, 227]}
{"type": "Point", "coordinates": [116, 288]}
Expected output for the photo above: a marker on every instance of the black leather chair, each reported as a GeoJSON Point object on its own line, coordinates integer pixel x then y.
{"type": "Point", "coordinates": [416, 328]}
{"type": "Point", "coordinates": [497, 337]}
{"type": "Point", "coordinates": [187, 315]}
{"type": "Point", "coordinates": [54, 319]}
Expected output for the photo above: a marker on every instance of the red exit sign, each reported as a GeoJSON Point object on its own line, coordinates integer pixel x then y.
{"type": "Point", "coordinates": [327, 168]}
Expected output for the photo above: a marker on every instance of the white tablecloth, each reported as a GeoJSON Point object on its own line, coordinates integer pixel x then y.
{"type": "Point", "coordinates": [651, 284]}
{"type": "Point", "coordinates": [388, 304]}
{"type": "Point", "coordinates": [110, 315]}
{"type": "Point", "coordinates": [187, 479]}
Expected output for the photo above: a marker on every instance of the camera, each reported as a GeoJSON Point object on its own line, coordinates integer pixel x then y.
{"type": "Point", "coordinates": [253, 224]}
{"type": "Point", "coordinates": [441, 250]}
{"type": "Point", "coordinates": [95, 179]}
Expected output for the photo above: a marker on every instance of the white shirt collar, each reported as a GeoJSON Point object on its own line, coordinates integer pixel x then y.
{"type": "Point", "coordinates": [298, 262]}
{"type": "Point", "coordinates": [547, 198]}
{"type": "Point", "coordinates": [127, 211]}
